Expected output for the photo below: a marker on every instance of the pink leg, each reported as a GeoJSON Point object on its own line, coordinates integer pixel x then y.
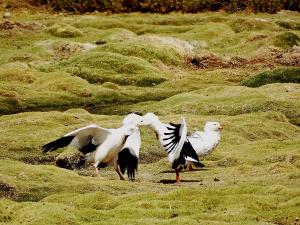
{"type": "Point", "coordinates": [177, 177]}
{"type": "Point", "coordinates": [97, 171]}
{"type": "Point", "coordinates": [119, 173]}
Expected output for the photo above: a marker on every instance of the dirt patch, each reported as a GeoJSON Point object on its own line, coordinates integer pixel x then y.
{"type": "Point", "coordinates": [267, 57]}
{"type": "Point", "coordinates": [290, 58]}
{"type": "Point", "coordinates": [273, 56]}
{"type": "Point", "coordinates": [71, 161]}
{"type": "Point", "coordinates": [7, 191]}
{"type": "Point", "coordinates": [207, 60]}
{"type": "Point", "coordinates": [228, 162]}
{"type": "Point", "coordinates": [39, 160]}
{"type": "Point", "coordinates": [8, 25]}
{"type": "Point", "coordinates": [257, 37]}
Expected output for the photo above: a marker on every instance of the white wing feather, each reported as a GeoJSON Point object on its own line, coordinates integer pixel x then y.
{"type": "Point", "coordinates": [85, 134]}
{"type": "Point", "coordinates": [183, 133]}
{"type": "Point", "coordinates": [133, 143]}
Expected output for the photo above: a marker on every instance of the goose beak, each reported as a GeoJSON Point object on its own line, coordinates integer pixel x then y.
{"type": "Point", "coordinates": [220, 128]}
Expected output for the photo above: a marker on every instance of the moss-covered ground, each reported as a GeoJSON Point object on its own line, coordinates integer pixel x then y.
{"type": "Point", "coordinates": [59, 72]}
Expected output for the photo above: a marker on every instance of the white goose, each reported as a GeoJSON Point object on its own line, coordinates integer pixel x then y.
{"type": "Point", "coordinates": [204, 142]}
{"type": "Point", "coordinates": [172, 138]}
{"type": "Point", "coordinates": [118, 147]}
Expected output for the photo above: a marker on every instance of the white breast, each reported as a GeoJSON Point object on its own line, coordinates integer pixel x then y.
{"type": "Point", "coordinates": [133, 142]}
{"type": "Point", "coordinates": [108, 150]}
{"type": "Point", "coordinates": [205, 143]}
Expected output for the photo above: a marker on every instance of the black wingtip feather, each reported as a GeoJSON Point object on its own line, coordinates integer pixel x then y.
{"type": "Point", "coordinates": [129, 162]}
{"type": "Point", "coordinates": [199, 164]}
{"type": "Point", "coordinates": [59, 143]}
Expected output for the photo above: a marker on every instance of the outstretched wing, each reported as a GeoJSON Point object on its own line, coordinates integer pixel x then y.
{"type": "Point", "coordinates": [128, 156]}
{"type": "Point", "coordinates": [174, 138]}
{"type": "Point", "coordinates": [85, 139]}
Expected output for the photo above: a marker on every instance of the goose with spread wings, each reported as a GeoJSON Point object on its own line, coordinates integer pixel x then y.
{"type": "Point", "coordinates": [173, 139]}
{"type": "Point", "coordinates": [101, 146]}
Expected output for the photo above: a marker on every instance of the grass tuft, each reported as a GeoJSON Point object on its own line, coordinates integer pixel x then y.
{"type": "Point", "coordinates": [241, 24]}
{"type": "Point", "coordinates": [286, 40]}
{"type": "Point", "coordinates": [64, 31]}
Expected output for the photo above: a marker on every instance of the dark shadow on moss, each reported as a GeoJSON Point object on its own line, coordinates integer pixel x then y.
{"type": "Point", "coordinates": [289, 25]}
{"type": "Point", "coordinates": [165, 181]}
{"type": "Point", "coordinates": [97, 78]}
{"type": "Point", "coordinates": [282, 75]}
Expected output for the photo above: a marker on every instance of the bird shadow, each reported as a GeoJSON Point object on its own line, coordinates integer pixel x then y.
{"type": "Point", "coordinates": [166, 181]}
{"type": "Point", "coordinates": [183, 171]}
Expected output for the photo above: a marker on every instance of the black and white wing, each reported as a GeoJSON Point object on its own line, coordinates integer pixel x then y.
{"type": "Point", "coordinates": [85, 139]}
{"type": "Point", "coordinates": [174, 138]}
{"type": "Point", "coordinates": [129, 155]}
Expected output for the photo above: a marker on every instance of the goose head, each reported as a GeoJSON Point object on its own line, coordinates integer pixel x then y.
{"type": "Point", "coordinates": [150, 118]}
{"type": "Point", "coordinates": [134, 119]}
{"type": "Point", "coordinates": [213, 126]}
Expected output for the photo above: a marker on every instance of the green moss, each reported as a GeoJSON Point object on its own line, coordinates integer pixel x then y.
{"type": "Point", "coordinates": [243, 24]}
{"type": "Point", "coordinates": [100, 67]}
{"type": "Point", "coordinates": [111, 85]}
{"type": "Point", "coordinates": [232, 101]}
{"type": "Point", "coordinates": [252, 175]}
{"type": "Point", "coordinates": [283, 75]}
{"type": "Point", "coordinates": [64, 31]}
{"type": "Point", "coordinates": [286, 40]}
{"type": "Point", "coordinates": [289, 25]}
{"type": "Point", "coordinates": [208, 31]}
{"type": "Point", "coordinates": [166, 54]}
{"type": "Point", "coordinates": [24, 89]}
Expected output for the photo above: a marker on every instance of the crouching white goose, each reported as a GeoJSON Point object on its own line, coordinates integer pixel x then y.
{"type": "Point", "coordinates": [204, 142]}
{"type": "Point", "coordinates": [102, 146]}
{"type": "Point", "coordinates": [172, 138]}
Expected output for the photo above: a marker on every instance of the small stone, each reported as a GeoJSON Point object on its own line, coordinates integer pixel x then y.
{"type": "Point", "coordinates": [174, 215]}
{"type": "Point", "coordinates": [7, 15]}
{"type": "Point", "coordinates": [216, 179]}
{"type": "Point", "coordinates": [261, 20]}
{"type": "Point", "coordinates": [100, 42]}
{"type": "Point", "coordinates": [88, 46]}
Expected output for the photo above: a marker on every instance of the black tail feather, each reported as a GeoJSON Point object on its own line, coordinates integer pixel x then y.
{"type": "Point", "coordinates": [59, 143]}
{"type": "Point", "coordinates": [102, 165]}
{"type": "Point", "coordinates": [199, 164]}
{"type": "Point", "coordinates": [187, 150]}
{"type": "Point", "coordinates": [90, 147]}
{"type": "Point", "coordinates": [128, 161]}
{"type": "Point", "coordinates": [190, 151]}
